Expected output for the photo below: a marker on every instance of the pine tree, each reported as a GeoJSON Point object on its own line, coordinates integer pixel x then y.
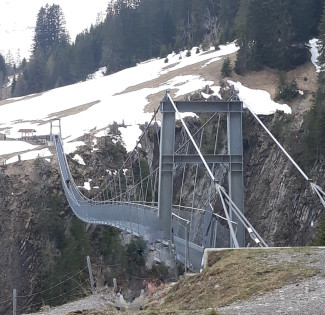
{"type": "Point", "coordinates": [274, 32]}
{"type": "Point", "coordinates": [50, 28]}
{"type": "Point", "coordinates": [226, 69]}
{"type": "Point", "coordinates": [321, 58]}
{"type": "Point", "coordinates": [3, 68]}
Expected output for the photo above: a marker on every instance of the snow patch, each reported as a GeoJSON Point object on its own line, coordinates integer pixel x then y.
{"type": "Point", "coordinates": [87, 185]}
{"type": "Point", "coordinates": [79, 159]}
{"type": "Point", "coordinates": [70, 147]}
{"type": "Point", "coordinates": [130, 136]}
{"type": "Point", "coordinates": [98, 74]}
{"type": "Point", "coordinates": [313, 43]}
{"type": "Point", "coordinates": [216, 91]}
{"type": "Point", "coordinates": [9, 146]}
{"type": "Point", "coordinates": [30, 155]}
{"type": "Point", "coordinates": [258, 101]}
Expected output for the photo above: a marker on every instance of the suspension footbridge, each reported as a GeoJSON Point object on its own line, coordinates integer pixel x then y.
{"type": "Point", "coordinates": [143, 200]}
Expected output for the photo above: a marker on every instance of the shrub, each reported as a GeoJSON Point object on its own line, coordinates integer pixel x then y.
{"type": "Point", "coordinates": [226, 69]}
{"type": "Point", "coordinates": [286, 91]}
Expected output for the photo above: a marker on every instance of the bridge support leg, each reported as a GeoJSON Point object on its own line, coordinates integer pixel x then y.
{"type": "Point", "coordinates": [236, 184]}
{"type": "Point", "coordinates": [57, 126]}
{"type": "Point", "coordinates": [166, 162]}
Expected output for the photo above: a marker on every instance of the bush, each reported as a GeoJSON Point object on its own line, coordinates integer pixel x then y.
{"type": "Point", "coordinates": [286, 91]}
{"type": "Point", "coordinates": [226, 69]}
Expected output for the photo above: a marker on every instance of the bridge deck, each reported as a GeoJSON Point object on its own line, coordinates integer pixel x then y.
{"type": "Point", "coordinates": [138, 219]}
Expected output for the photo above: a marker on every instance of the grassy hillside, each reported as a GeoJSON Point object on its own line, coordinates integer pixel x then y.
{"type": "Point", "coordinates": [233, 275]}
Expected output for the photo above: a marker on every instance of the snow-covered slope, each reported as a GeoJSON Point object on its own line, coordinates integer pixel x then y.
{"type": "Point", "coordinates": [120, 97]}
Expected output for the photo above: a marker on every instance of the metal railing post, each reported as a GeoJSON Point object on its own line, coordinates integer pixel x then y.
{"type": "Point", "coordinates": [14, 302]}
{"type": "Point", "coordinates": [92, 283]}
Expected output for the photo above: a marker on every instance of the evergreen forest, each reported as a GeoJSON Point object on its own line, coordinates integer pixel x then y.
{"type": "Point", "coordinates": [270, 33]}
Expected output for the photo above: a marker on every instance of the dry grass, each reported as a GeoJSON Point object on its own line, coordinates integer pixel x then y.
{"type": "Point", "coordinates": [233, 275]}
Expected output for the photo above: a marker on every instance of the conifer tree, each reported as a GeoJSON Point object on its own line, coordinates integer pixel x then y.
{"type": "Point", "coordinates": [50, 28]}
{"type": "Point", "coordinates": [321, 58]}
{"type": "Point", "coordinates": [226, 69]}
{"type": "Point", "coordinates": [3, 69]}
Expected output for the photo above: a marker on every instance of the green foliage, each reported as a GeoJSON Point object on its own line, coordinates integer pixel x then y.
{"type": "Point", "coordinates": [132, 31]}
{"type": "Point", "coordinates": [141, 171]}
{"type": "Point", "coordinates": [158, 271]}
{"type": "Point", "coordinates": [314, 141]}
{"type": "Point", "coordinates": [286, 91]}
{"type": "Point", "coordinates": [320, 237]}
{"type": "Point", "coordinates": [49, 221]}
{"type": "Point", "coordinates": [269, 32]}
{"type": "Point", "coordinates": [209, 145]}
{"type": "Point", "coordinates": [136, 257]}
{"type": "Point", "coordinates": [49, 65]}
{"type": "Point", "coordinates": [111, 248]}
{"type": "Point", "coordinates": [277, 126]}
{"type": "Point", "coordinates": [71, 261]}
{"type": "Point", "coordinates": [274, 33]}
{"type": "Point", "coordinates": [226, 69]}
{"type": "Point", "coordinates": [50, 28]}
{"type": "Point", "coordinates": [3, 69]}
{"type": "Point", "coordinates": [321, 58]}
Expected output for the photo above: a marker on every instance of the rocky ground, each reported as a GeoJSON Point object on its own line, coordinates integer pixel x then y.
{"type": "Point", "coordinates": [301, 296]}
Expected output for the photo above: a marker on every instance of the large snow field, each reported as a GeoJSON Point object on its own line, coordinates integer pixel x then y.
{"type": "Point", "coordinates": [112, 102]}
{"type": "Point", "coordinates": [7, 146]}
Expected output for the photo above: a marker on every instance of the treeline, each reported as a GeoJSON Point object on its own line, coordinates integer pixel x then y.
{"type": "Point", "coordinates": [274, 33]}
{"type": "Point", "coordinates": [132, 31]}
{"type": "Point", "coordinates": [270, 33]}
{"type": "Point", "coordinates": [314, 144]}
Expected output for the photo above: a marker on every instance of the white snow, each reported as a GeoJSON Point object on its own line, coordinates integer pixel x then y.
{"type": "Point", "coordinates": [8, 146]}
{"type": "Point", "coordinates": [70, 147]}
{"type": "Point", "coordinates": [111, 102]}
{"type": "Point", "coordinates": [86, 185]}
{"type": "Point", "coordinates": [313, 43]}
{"type": "Point", "coordinates": [102, 133]}
{"type": "Point", "coordinates": [216, 91]}
{"type": "Point", "coordinates": [30, 155]}
{"type": "Point", "coordinates": [79, 159]}
{"type": "Point", "coordinates": [258, 101]}
{"type": "Point", "coordinates": [130, 135]}
{"type": "Point", "coordinates": [206, 96]}
{"type": "Point", "coordinates": [98, 74]}
{"type": "Point", "coordinates": [210, 56]}
{"type": "Point", "coordinates": [187, 83]}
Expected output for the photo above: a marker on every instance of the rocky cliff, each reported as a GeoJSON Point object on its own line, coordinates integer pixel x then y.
{"type": "Point", "coordinates": [36, 218]}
